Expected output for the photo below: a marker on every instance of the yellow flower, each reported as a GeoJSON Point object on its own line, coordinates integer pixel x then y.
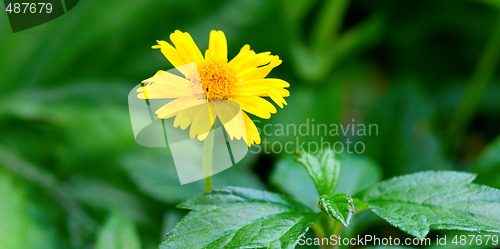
{"type": "Point", "coordinates": [215, 88]}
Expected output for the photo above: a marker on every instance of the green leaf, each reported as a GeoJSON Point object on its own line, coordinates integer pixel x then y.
{"type": "Point", "coordinates": [118, 233]}
{"type": "Point", "coordinates": [285, 175]}
{"type": "Point", "coordinates": [488, 165]}
{"type": "Point", "coordinates": [420, 202]}
{"type": "Point", "coordinates": [323, 168]}
{"type": "Point", "coordinates": [339, 206]}
{"type": "Point", "coordinates": [239, 217]}
{"type": "Point", "coordinates": [96, 194]}
{"type": "Point", "coordinates": [23, 223]}
{"type": "Point", "coordinates": [357, 173]}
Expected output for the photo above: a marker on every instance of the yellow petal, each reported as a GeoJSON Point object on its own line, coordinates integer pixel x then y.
{"type": "Point", "coordinates": [202, 123]}
{"type": "Point", "coordinates": [230, 115]}
{"type": "Point", "coordinates": [273, 88]}
{"type": "Point", "coordinates": [253, 91]}
{"type": "Point", "coordinates": [255, 73]}
{"type": "Point", "coordinates": [185, 117]}
{"type": "Point", "coordinates": [217, 46]}
{"type": "Point", "coordinates": [264, 91]}
{"type": "Point", "coordinates": [276, 97]}
{"type": "Point", "coordinates": [170, 53]}
{"type": "Point", "coordinates": [275, 83]}
{"type": "Point", "coordinates": [252, 133]}
{"type": "Point", "coordinates": [186, 47]}
{"type": "Point", "coordinates": [183, 104]}
{"type": "Point", "coordinates": [182, 121]}
{"type": "Point", "coordinates": [253, 61]}
{"type": "Point", "coordinates": [165, 85]}
{"type": "Point", "coordinates": [256, 106]}
{"type": "Point", "coordinates": [284, 92]}
{"type": "Point", "coordinates": [244, 52]}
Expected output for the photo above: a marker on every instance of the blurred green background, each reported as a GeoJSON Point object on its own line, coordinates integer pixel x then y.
{"type": "Point", "coordinates": [72, 176]}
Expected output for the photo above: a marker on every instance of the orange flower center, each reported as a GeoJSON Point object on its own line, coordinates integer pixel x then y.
{"type": "Point", "coordinates": [218, 80]}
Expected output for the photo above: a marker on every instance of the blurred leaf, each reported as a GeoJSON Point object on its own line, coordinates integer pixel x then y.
{"type": "Point", "coordinates": [406, 119]}
{"type": "Point", "coordinates": [240, 218]}
{"type": "Point", "coordinates": [118, 233]}
{"type": "Point", "coordinates": [357, 173]}
{"type": "Point", "coordinates": [59, 116]}
{"type": "Point", "coordinates": [488, 165]}
{"type": "Point", "coordinates": [315, 63]}
{"type": "Point", "coordinates": [154, 172]}
{"type": "Point", "coordinates": [230, 17]}
{"type": "Point", "coordinates": [323, 168]}
{"type": "Point", "coordinates": [156, 176]}
{"type": "Point", "coordinates": [309, 106]}
{"type": "Point", "coordinates": [339, 206]}
{"type": "Point", "coordinates": [287, 173]}
{"type": "Point", "coordinates": [420, 202]}
{"type": "Point", "coordinates": [79, 224]}
{"type": "Point", "coordinates": [170, 219]}
{"type": "Point", "coordinates": [297, 9]}
{"type": "Point", "coordinates": [22, 223]}
{"type": "Point", "coordinates": [360, 38]}
{"type": "Point", "coordinates": [97, 194]}
{"type": "Point", "coordinates": [329, 20]}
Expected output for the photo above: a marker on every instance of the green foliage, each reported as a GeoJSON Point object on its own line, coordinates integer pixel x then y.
{"type": "Point", "coordinates": [357, 173]}
{"type": "Point", "coordinates": [405, 126]}
{"type": "Point", "coordinates": [118, 233]}
{"type": "Point", "coordinates": [488, 165]}
{"type": "Point", "coordinates": [287, 173]}
{"type": "Point", "coordinates": [238, 217]}
{"type": "Point", "coordinates": [20, 219]}
{"type": "Point", "coordinates": [339, 206]}
{"type": "Point", "coordinates": [324, 170]}
{"type": "Point", "coordinates": [420, 202]}
{"type": "Point", "coordinates": [156, 176]}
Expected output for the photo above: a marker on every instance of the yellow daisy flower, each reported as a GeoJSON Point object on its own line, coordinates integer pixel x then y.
{"type": "Point", "coordinates": [215, 88]}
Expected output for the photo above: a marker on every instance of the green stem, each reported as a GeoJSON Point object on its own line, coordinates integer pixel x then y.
{"type": "Point", "coordinates": [318, 230]}
{"type": "Point", "coordinates": [336, 228]}
{"type": "Point", "coordinates": [481, 78]}
{"type": "Point", "coordinates": [326, 226]}
{"type": "Point", "coordinates": [208, 147]}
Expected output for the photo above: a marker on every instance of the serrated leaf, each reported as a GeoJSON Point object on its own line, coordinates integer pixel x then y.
{"type": "Point", "coordinates": [420, 202]}
{"type": "Point", "coordinates": [118, 233]}
{"type": "Point", "coordinates": [323, 168]}
{"type": "Point", "coordinates": [240, 218]}
{"type": "Point", "coordinates": [339, 206]}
